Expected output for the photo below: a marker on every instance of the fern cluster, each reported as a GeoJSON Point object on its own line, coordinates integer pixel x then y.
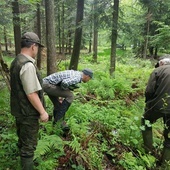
{"type": "Point", "coordinates": [104, 122]}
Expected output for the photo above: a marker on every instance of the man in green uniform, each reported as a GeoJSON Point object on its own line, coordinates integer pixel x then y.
{"type": "Point", "coordinates": [26, 99]}
{"type": "Point", "coordinates": [157, 101]}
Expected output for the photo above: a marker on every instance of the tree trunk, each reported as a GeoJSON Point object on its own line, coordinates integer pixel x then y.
{"type": "Point", "coordinates": [63, 50]}
{"type": "Point", "coordinates": [69, 37]}
{"type": "Point", "coordinates": [69, 42]}
{"type": "Point", "coordinates": [78, 35]}
{"type": "Point", "coordinates": [91, 30]}
{"type": "Point", "coordinates": [59, 29]}
{"type": "Point", "coordinates": [147, 33]}
{"type": "Point", "coordinates": [5, 39]}
{"type": "Point", "coordinates": [39, 34]}
{"type": "Point", "coordinates": [156, 52]}
{"type": "Point", "coordinates": [95, 31]}
{"type": "Point", "coordinates": [151, 51]}
{"type": "Point", "coordinates": [43, 23]}
{"type": "Point", "coordinates": [95, 42]}
{"type": "Point", "coordinates": [90, 42]}
{"type": "Point", "coordinates": [50, 37]}
{"type": "Point", "coordinates": [16, 25]}
{"type": "Point", "coordinates": [114, 37]}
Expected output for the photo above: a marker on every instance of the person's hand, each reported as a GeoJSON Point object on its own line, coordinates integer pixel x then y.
{"type": "Point", "coordinates": [72, 87]}
{"type": "Point", "coordinates": [44, 117]}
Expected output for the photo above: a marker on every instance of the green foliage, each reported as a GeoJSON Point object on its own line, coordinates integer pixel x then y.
{"type": "Point", "coordinates": [49, 148]}
{"type": "Point", "coordinates": [162, 38]}
{"type": "Point", "coordinates": [131, 161]}
{"type": "Point", "coordinates": [104, 122]}
{"type": "Point", "coordinates": [8, 60]}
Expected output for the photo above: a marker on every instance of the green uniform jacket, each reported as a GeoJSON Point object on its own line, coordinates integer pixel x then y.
{"type": "Point", "coordinates": [158, 90]}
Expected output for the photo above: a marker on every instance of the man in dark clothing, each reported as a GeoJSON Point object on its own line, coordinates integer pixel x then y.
{"type": "Point", "coordinates": [158, 106]}
{"type": "Point", "coordinates": [26, 98]}
{"type": "Point", "coordinates": [61, 84]}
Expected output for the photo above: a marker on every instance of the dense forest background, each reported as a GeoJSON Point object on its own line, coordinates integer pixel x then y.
{"type": "Point", "coordinates": [121, 41]}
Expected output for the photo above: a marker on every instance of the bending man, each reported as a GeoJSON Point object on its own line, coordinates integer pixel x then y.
{"type": "Point", "coordinates": [157, 101]}
{"type": "Point", "coordinates": [61, 84]}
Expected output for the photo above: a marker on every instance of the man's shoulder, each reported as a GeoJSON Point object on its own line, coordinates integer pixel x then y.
{"type": "Point", "coordinates": [29, 64]}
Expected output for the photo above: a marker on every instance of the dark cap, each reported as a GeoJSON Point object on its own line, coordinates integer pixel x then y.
{"type": "Point", "coordinates": [32, 37]}
{"type": "Point", "coordinates": [88, 72]}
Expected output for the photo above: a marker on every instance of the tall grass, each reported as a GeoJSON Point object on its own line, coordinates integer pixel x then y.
{"type": "Point", "coordinates": [104, 120]}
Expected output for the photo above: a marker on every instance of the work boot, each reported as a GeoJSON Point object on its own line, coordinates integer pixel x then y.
{"type": "Point", "coordinates": [147, 138]}
{"type": "Point", "coordinates": [64, 126]}
{"type": "Point", "coordinates": [27, 163]}
{"type": "Point", "coordinates": [166, 158]}
{"type": "Point", "coordinates": [62, 110]}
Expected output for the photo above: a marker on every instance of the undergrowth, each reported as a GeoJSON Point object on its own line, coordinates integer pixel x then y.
{"type": "Point", "coordinates": [104, 122]}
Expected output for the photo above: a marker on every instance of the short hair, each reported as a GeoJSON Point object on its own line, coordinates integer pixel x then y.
{"type": "Point", "coordinates": [165, 61]}
{"type": "Point", "coordinates": [26, 44]}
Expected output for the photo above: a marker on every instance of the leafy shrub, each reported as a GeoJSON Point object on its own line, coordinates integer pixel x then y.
{"type": "Point", "coordinates": [104, 121]}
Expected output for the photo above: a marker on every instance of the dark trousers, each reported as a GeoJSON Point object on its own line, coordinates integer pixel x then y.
{"type": "Point", "coordinates": [27, 131]}
{"type": "Point", "coordinates": [153, 116]}
{"type": "Point", "coordinates": [54, 92]}
{"type": "Point", "coordinates": [60, 107]}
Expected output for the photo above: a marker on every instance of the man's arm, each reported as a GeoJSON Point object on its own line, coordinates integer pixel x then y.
{"type": "Point", "coordinates": [69, 82]}
{"type": "Point", "coordinates": [151, 86]}
{"type": "Point", "coordinates": [35, 101]}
